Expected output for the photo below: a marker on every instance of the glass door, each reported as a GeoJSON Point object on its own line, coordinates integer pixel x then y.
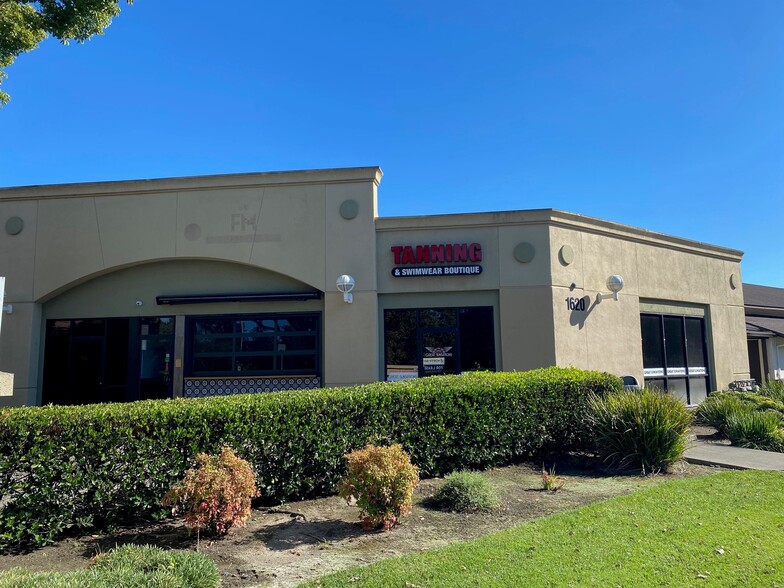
{"type": "Point", "coordinates": [108, 359]}
{"type": "Point", "coordinates": [433, 341]}
{"type": "Point", "coordinates": [156, 357]}
{"type": "Point", "coordinates": [87, 371]}
{"type": "Point", "coordinates": [439, 352]}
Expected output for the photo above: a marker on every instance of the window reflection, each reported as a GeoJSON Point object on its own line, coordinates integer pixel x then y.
{"type": "Point", "coordinates": [254, 345]}
{"type": "Point", "coordinates": [674, 355]}
{"type": "Point", "coordinates": [435, 341]}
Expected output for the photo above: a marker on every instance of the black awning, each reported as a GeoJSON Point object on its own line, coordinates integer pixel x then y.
{"type": "Point", "coordinates": [765, 325]}
{"type": "Point", "coordinates": [244, 297]}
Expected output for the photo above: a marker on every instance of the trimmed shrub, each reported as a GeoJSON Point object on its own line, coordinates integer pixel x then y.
{"type": "Point", "coordinates": [755, 429]}
{"type": "Point", "coordinates": [466, 492]}
{"type": "Point", "coordinates": [66, 467]}
{"type": "Point", "coordinates": [130, 566]}
{"type": "Point", "coordinates": [382, 481]}
{"type": "Point", "coordinates": [639, 429]}
{"type": "Point", "coordinates": [215, 496]}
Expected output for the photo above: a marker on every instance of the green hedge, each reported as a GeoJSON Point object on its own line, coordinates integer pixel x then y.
{"type": "Point", "coordinates": [88, 466]}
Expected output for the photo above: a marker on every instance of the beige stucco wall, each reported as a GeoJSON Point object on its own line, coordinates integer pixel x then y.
{"type": "Point", "coordinates": [655, 268]}
{"type": "Point", "coordinates": [93, 249]}
{"type": "Point", "coordinates": [520, 293]}
{"type": "Point", "coordinates": [536, 328]}
{"type": "Point", "coordinates": [19, 352]}
{"type": "Point", "coordinates": [286, 224]}
{"type": "Point", "coordinates": [115, 294]}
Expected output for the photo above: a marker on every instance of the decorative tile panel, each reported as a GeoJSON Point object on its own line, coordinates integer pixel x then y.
{"type": "Point", "coordinates": [202, 387]}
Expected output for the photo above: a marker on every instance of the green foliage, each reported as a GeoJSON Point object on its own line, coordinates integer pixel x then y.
{"type": "Point", "coordinates": [66, 467]}
{"type": "Point", "coordinates": [215, 496]}
{"type": "Point", "coordinates": [551, 482]}
{"type": "Point", "coordinates": [760, 401]}
{"type": "Point", "coordinates": [755, 429]}
{"type": "Point", "coordinates": [129, 566]}
{"type": "Point", "coordinates": [747, 419]}
{"type": "Point", "coordinates": [382, 481]}
{"type": "Point", "coordinates": [715, 409]}
{"type": "Point", "coordinates": [466, 492]}
{"type": "Point", "coordinates": [639, 429]}
{"type": "Point", "coordinates": [24, 24]}
{"type": "Point", "coordinates": [773, 389]}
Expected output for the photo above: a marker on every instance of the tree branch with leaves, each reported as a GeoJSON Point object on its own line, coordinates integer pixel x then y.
{"type": "Point", "coordinates": [23, 25]}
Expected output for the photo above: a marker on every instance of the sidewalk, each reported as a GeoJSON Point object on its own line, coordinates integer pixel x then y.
{"type": "Point", "coordinates": [706, 449]}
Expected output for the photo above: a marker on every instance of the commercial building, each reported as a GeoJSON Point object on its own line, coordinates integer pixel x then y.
{"type": "Point", "coordinates": [765, 331]}
{"type": "Point", "coordinates": [224, 284]}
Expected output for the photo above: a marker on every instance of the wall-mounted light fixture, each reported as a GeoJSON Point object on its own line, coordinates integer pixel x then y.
{"type": "Point", "coordinates": [139, 302]}
{"type": "Point", "coordinates": [614, 285]}
{"type": "Point", "coordinates": [345, 284]}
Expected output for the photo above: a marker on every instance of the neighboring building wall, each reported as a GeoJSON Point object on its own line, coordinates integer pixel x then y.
{"type": "Point", "coordinates": [764, 307]}
{"type": "Point", "coordinates": [655, 268]}
{"type": "Point", "coordinates": [288, 223]}
{"type": "Point", "coordinates": [775, 350]}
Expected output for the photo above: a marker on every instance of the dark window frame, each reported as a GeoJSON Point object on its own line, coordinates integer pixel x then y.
{"type": "Point", "coordinates": [277, 354]}
{"type": "Point", "coordinates": [58, 379]}
{"type": "Point", "coordinates": [456, 329]}
{"type": "Point", "coordinates": [666, 378]}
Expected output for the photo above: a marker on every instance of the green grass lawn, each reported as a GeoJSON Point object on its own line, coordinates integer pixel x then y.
{"type": "Point", "coordinates": [719, 530]}
{"type": "Point", "coordinates": [130, 566]}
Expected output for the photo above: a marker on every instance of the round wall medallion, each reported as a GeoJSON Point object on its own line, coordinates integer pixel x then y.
{"type": "Point", "coordinates": [566, 254]}
{"type": "Point", "coordinates": [524, 252]}
{"type": "Point", "coordinates": [734, 281]}
{"type": "Point", "coordinates": [349, 209]}
{"type": "Point", "coordinates": [14, 225]}
{"type": "Point", "coordinates": [193, 232]}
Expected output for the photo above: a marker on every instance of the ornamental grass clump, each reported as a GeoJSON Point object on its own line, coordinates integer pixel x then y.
{"type": "Point", "coordinates": [215, 496]}
{"type": "Point", "coordinates": [773, 389]}
{"type": "Point", "coordinates": [551, 482]}
{"type": "Point", "coordinates": [715, 409]}
{"type": "Point", "coordinates": [382, 481]}
{"type": "Point", "coordinates": [466, 492]}
{"type": "Point", "coordinates": [638, 429]}
{"type": "Point", "coordinates": [128, 566]}
{"type": "Point", "coordinates": [747, 419]}
{"type": "Point", "coordinates": [755, 429]}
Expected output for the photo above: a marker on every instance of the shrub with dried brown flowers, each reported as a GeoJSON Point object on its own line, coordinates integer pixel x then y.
{"type": "Point", "coordinates": [215, 496]}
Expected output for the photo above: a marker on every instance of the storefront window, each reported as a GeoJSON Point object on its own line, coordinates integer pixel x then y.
{"type": "Point", "coordinates": [435, 341]}
{"type": "Point", "coordinates": [674, 356]}
{"type": "Point", "coordinates": [253, 345]}
{"type": "Point", "coordinates": [108, 359]}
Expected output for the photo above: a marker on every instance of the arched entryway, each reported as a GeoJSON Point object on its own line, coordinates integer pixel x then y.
{"type": "Point", "coordinates": [181, 328]}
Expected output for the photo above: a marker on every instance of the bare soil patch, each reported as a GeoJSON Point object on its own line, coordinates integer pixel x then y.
{"type": "Point", "coordinates": [285, 545]}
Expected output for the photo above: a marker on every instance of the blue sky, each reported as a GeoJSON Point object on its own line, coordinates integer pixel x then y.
{"type": "Point", "coordinates": [667, 115]}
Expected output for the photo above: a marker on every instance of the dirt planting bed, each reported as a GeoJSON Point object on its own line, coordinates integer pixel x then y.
{"type": "Point", "coordinates": [284, 545]}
